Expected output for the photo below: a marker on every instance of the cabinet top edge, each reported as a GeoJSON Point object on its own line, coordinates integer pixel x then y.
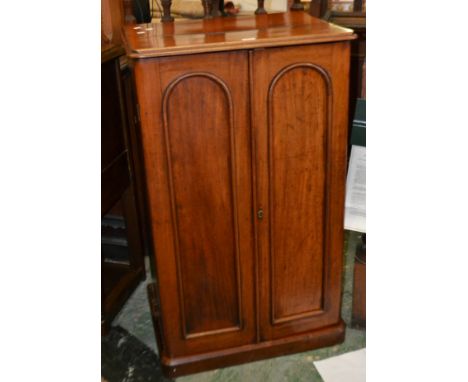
{"type": "Point", "coordinates": [233, 33]}
{"type": "Point", "coordinates": [111, 51]}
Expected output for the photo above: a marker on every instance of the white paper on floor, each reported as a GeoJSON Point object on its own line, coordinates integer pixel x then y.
{"type": "Point", "coordinates": [355, 202]}
{"type": "Point", "coordinates": [349, 367]}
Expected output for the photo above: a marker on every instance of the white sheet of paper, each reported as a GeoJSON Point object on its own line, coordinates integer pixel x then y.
{"type": "Point", "coordinates": [348, 367]}
{"type": "Point", "coordinates": [355, 204]}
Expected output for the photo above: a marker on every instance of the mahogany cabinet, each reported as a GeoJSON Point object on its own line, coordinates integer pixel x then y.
{"type": "Point", "coordinates": [244, 131]}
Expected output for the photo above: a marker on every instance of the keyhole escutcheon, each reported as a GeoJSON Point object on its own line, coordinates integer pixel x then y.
{"type": "Point", "coordinates": [260, 213]}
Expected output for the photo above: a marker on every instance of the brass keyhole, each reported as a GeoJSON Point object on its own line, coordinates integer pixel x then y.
{"type": "Point", "coordinates": [260, 213]}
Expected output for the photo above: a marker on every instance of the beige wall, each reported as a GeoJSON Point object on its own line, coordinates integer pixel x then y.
{"type": "Point", "coordinates": [270, 5]}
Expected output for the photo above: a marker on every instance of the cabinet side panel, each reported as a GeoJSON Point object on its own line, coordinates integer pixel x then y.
{"type": "Point", "coordinates": [297, 108]}
{"type": "Point", "coordinates": [200, 144]}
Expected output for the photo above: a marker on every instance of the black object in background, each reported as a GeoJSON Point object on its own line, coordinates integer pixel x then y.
{"type": "Point", "coordinates": [358, 129]}
{"type": "Point", "coordinates": [142, 11]}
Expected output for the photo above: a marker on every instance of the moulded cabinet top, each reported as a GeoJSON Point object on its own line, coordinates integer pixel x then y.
{"type": "Point", "coordinates": [229, 33]}
{"type": "Point", "coordinates": [110, 51]}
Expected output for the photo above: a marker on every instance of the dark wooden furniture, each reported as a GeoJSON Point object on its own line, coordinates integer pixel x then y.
{"type": "Point", "coordinates": [122, 230]}
{"type": "Point", "coordinates": [112, 18]}
{"type": "Point", "coordinates": [211, 8]}
{"type": "Point", "coordinates": [318, 8]}
{"type": "Point", "coordinates": [358, 138]}
{"type": "Point", "coordinates": [357, 21]}
{"type": "Point", "coordinates": [358, 318]}
{"type": "Point", "coordinates": [244, 134]}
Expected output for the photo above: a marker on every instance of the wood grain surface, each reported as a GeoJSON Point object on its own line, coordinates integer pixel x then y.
{"type": "Point", "coordinates": [299, 124]}
{"type": "Point", "coordinates": [245, 160]}
{"type": "Point", "coordinates": [222, 34]}
{"type": "Point", "coordinates": [196, 145]}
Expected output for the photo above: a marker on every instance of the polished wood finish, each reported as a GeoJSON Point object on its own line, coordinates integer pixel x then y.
{"type": "Point", "coordinates": [203, 228]}
{"type": "Point", "coordinates": [204, 247]}
{"type": "Point", "coordinates": [129, 17]}
{"type": "Point", "coordinates": [300, 106]}
{"type": "Point", "coordinates": [358, 318]}
{"type": "Point", "coordinates": [117, 186]}
{"type": "Point", "coordinates": [114, 163]}
{"type": "Point", "coordinates": [318, 8]}
{"type": "Point", "coordinates": [231, 33]}
{"type": "Point", "coordinates": [111, 51]}
{"type": "Point", "coordinates": [117, 284]}
{"type": "Point", "coordinates": [331, 335]}
{"type": "Point", "coordinates": [356, 21]}
{"type": "Point", "coordinates": [133, 142]}
{"type": "Point", "coordinates": [244, 153]}
{"type": "Point", "coordinates": [112, 19]}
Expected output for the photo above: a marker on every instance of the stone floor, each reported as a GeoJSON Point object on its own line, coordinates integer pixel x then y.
{"type": "Point", "coordinates": [134, 322]}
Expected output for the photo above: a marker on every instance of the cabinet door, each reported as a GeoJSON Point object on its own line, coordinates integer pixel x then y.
{"type": "Point", "coordinates": [197, 152]}
{"type": "Point", "coordinates": [299, 108]}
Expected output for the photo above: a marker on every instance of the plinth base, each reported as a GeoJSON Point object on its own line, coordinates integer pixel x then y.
{"type": "Point", "coordinates": [178, 366]}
